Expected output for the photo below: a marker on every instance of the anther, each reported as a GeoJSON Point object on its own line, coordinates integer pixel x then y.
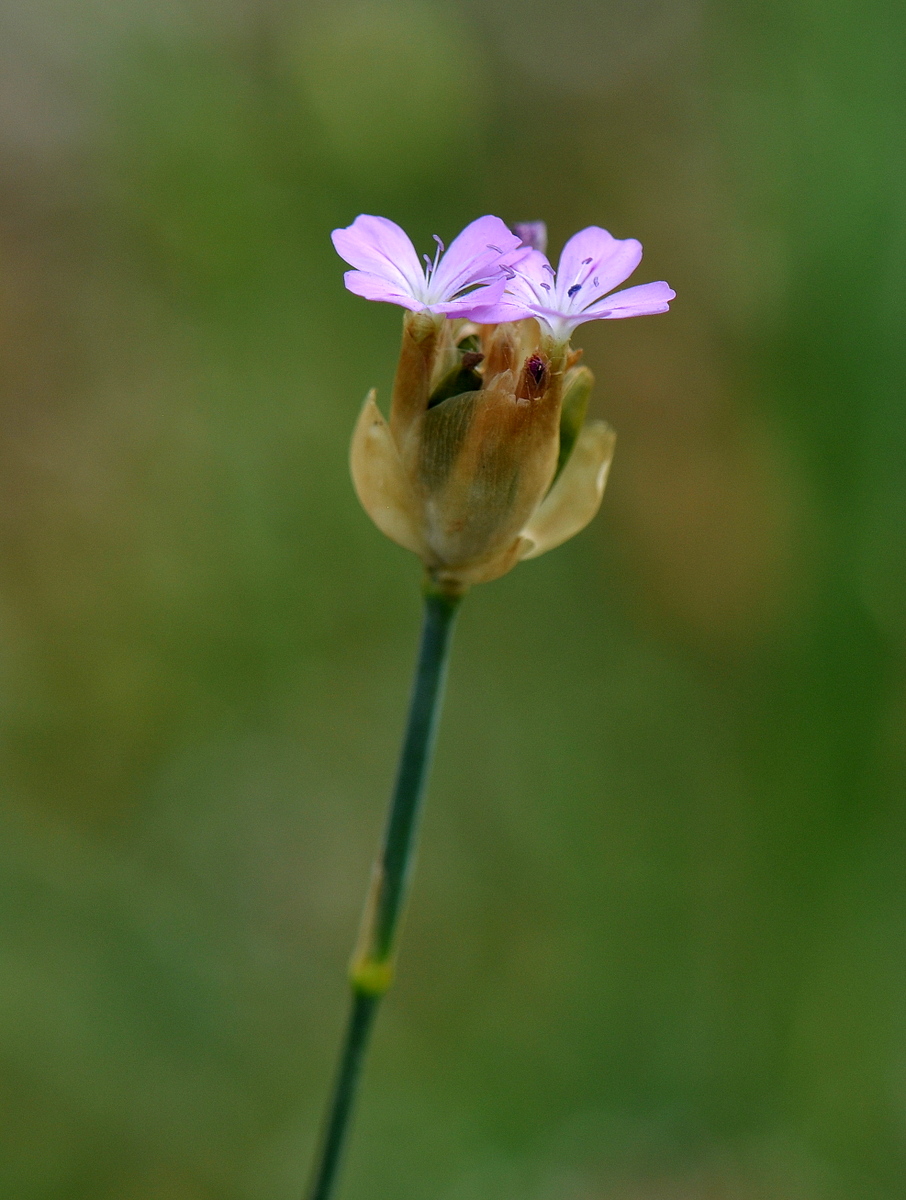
{"type": "Point", "coordinates": [497, 248]}
{"type": "Point", "coordinates": [440, 244]}
{"type": "Point", "coordinates": [575, 288]}
{"type": "Point", "coordinates": [595, 281]}
{"type": "Point", "coordinates": [586, 261]}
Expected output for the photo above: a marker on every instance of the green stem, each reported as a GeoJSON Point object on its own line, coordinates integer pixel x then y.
{"type": "Point", "coordinates": [371, 970]}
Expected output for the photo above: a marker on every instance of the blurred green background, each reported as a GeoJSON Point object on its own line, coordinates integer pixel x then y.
{"type": "Point", "coordinates": [656, 944]}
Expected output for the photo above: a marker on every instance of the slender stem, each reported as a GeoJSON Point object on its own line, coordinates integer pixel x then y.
{"type": "Point", "coordinates": [371, 969]}
{"type": "Point", "coordinates": [361, 1018]}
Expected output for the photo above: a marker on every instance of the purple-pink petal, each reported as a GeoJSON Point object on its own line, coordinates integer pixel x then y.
{"type": "Point", "coordinates": [475, 255]}
{"type": "Point", "coordinates": [596, 256]}
{"type": "Point", "coordinates": [479, 300]}
{"type": "Point", "coordinates": [644, 300]}
{"type": "Point", "coordinates": [532, 277]}
{"type": "Point", "coordinates": [376, 287]}
{"type": "Point", "coordinates": [491, 274]}
{"type": "Point", "coordinates": [507, 309]}
{"type": "Point", "coordinates": [380, 247]}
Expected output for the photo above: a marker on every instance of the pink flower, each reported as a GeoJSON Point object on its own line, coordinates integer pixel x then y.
{"type": "Point", "coordinates": [591, 265]}
{"type": "Point", "coordinates": [462, 281]}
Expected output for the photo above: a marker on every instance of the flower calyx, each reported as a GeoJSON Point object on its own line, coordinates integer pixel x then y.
{"type": "Point", "coordinates": [469, 472]}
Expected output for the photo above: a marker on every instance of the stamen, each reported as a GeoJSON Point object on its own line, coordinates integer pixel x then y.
{"type": "Point", "coordinates": [432, 266]}
{"type": "Point", "coordinates": [575, 288]}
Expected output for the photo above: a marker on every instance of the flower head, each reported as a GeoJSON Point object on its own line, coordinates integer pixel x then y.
{"type": "Point", "coordinates": [593, 262]}
{"type": "Point", "coordinates": [462, 280]}
{"type": "Point", "coordinates": [487, 458]}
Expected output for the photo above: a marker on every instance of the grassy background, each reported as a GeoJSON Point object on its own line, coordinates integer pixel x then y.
{"type": "Point", "coordinates": [656, 945]}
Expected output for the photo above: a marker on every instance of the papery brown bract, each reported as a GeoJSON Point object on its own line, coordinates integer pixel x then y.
{"type": "Point", "coordinates": [465, 480]}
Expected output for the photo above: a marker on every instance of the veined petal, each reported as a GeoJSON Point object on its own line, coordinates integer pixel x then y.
{"type": "Point", "coordinates": [644, 300]}
{"type": "Point", "coordinates": [507, 309]}
{"type": "Point", "coordinates": [530, 285]}
{"type": "Point", "coordinates": [531, 275]}
{"type": "Point", "coordinates": [474, 255]}
{"type": "Point", "coordinates": [380, 247]}
{"type": "Point", "coordinates": [474, 303]}
{"type": "Point", "coordinates": [576, 496]}
{"type": "Point", "coordinates": [598, 261]}
{"type": "Point", "coordinates": [532, 290]}
{"type": "Point", "coordinates": [380, 482]}
{"type": "Point", "coordinates": [376, 287]}
{"type": "Point", "coordinates": [570, 318]}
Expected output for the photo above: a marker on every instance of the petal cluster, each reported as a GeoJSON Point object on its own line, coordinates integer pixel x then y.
{"type": "Point", "coordinates": [462, 280]}
{"type": "Point", "coordinates": [592, 264]}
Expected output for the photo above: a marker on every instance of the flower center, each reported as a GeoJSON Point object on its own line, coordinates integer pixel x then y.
{"type": "Point", "coordinates": [468, 278]}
